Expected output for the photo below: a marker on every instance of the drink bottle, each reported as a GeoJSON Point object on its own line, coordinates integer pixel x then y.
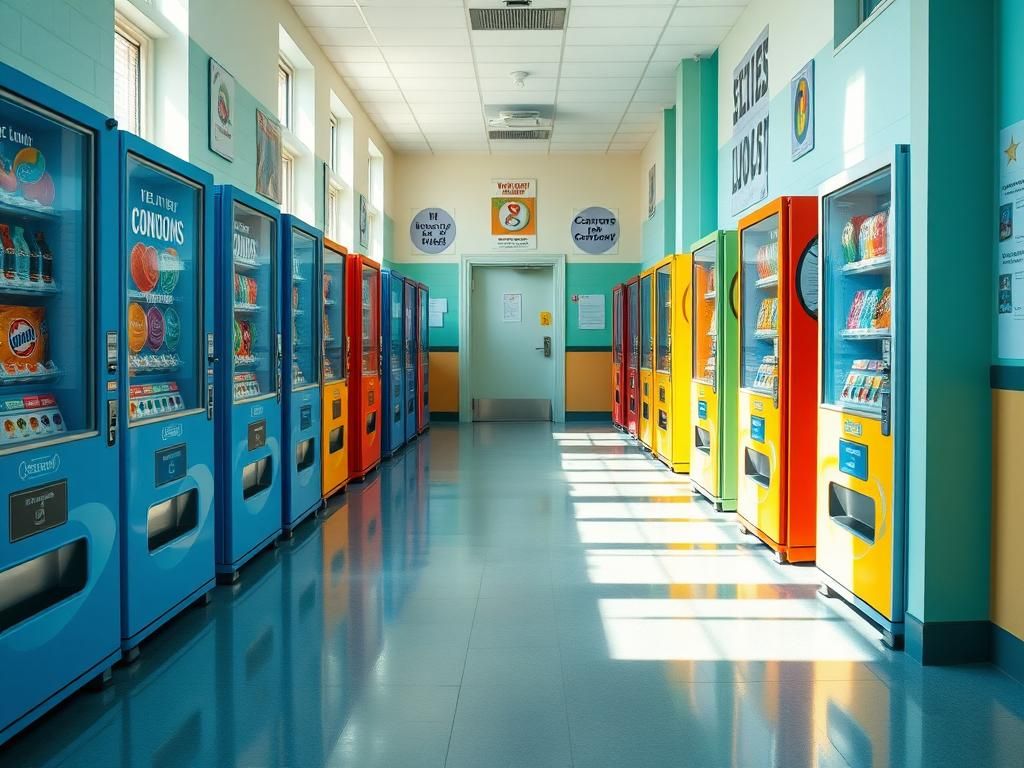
{"type": "Point", "coordinates": [46, 271]}
{"type": "Point", "coordinates": [8, 251]}
{"type": "Point", "coordinates": [22, 255]}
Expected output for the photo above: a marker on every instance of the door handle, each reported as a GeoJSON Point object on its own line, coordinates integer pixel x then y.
{"type": "Point", "coordinates": [546, 347]}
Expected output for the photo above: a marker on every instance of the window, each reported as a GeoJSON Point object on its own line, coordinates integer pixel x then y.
{"type": "Point", "coordinates": [284, 93]}
{"type": "Point", "coordinates": [334, 213]}
{"type": "Point", "coordinates": [130, 48]}
{"type": "Point", "coordinates": [375, 203]}
{"type": "Point", "coordinates": [339, 210]}
{"type": "Point", "coordinates": [334, 143]}
{"type": "Point", "coordinates": [851, 15]}
{"type": "Point", "coordinates": [287, 183]}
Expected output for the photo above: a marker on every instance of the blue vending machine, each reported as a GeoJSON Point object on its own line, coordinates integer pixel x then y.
{"type": "Point", "coordinates": [411, 353]}
{"type": "Point", "coordinates": [392, 292]}
{"type": "Point", "coordinates": [60, 564]}
{"type": "Point", "coordinates": [248, 379]}
{"type": "Point", "coordinates": [167, 489]}
{"type": "Point", "coordinates": [302, 314]}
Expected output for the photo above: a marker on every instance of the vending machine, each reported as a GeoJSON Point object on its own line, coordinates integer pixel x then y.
{"type": "Point", "coordinates": [778, 361]}
{"type": "Point", "coordinates": [646, 310]}
{"type": "Point", "coordinates": [632, 333]}
{"type": "Point", "coordinates": [423, 362]}
{"type": "Point", "coordinates": [364, 395]}
{"type": "Point", "coordinates": [713, 398]}
{"type": "Point", "coordinates": [392, 325]}
{"type": "Point", "coordinates": [618, 392]}
{"type": "Point", "coordinates": [248, 351]}
{"type": "Point", "coordinates": [862, 433]}
{"type": "Point", "coordinates": [166, 388]}
{"type": "Point", "coordinates": [411, 337]}
{"type": "Point", "coordinates": [670, 400]}
{"type": "Point", "coordinates": [302, 323]}
{"type": "Point", "coordinates": [60, 561]}
{"type": "Point", "coordinates": [335, 341]}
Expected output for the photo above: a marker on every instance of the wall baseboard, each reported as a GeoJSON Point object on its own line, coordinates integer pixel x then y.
{"type": "Point", "coordinates": [1009, 377]}
{"type": "Point", "coordinates": [1008, 652]}
{"type": "Point", "coordinates": [943, 643]}
{"type": "Point", "coordinates": [588, 416]}
{"type": "Point", "coordinates": [444, 415]}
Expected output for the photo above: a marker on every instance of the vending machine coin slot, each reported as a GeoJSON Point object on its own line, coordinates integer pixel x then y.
{"type": "Point", "coordinates": [209, 402]}
{"type": "Point", "coordinates": [111, 352]}
{"type": "Point", "coordinates": [257, 434]}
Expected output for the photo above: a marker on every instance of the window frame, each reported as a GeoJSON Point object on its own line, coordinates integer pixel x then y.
{"type": "Point", "coordinates": [284, 67]}
{"type": "Point", "coordinates": [851, 15]}
{"type": "Point", "coordinates": [124, 28]}
{"type": "Point", "coordinates": [287, 181]}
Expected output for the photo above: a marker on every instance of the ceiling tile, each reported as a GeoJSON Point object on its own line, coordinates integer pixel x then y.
{"type": "Point", "coordinates": [595, 87]}
{"type": "Point", "coordinates": [436, 97]}
{"type": "Point", "coordinates": [371, 83]}
{"type": "Point", "coordinates": [506, 98]}
{"type": "Point", "coordinates": [602, 69]}
{"type": "Point", "coordinates": [364, 69]}
{"type": "Point", "coordinates": [341, 35]}
{"type": "Point", "coordinates": [534, 69]}
{"type": "Point", "coordinates": [623, 15]}
{"type": "Point", "coordinates": [330, 16]}
{"type": "Point", "coordinates": [440, 54]}
{"type": "Point", "coordinates": [694, 35]}
{"type": "Point", "coordinates": [390, 36]}
{"type": "Point", "coordinates": [600, 53]}
{"type": "Point", "coordinates": [516, 39]}
{"type": "Point", "coordinates": [706, 16]}
{"type": "Point", "coordinates": [352, 54]}
{"type": "Point", "coordinates": [676, 53]}
{"type": "Point", "coordinates": [439, 70]}
{"type": "Point", "coordinates": [518, 53]}
{"type": "Point", "coordinates": [415, 17]}
{"type": "Point", "coordinates": [611, 36]}
{"type": "Point", "coordinates": [440, 85]}
{"type": "Point", "coordinates": [374, 97]}
{"type": "Point", "coordinates": [532, 85]}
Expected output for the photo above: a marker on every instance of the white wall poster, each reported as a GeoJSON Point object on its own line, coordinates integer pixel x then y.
{"type": "Point", "coordinates": [222, 105]}
{"type": "Point", "coordinates": [1010, 267]}
{"type": "Point", "coordinates": [514, 214]}
{"type": "Point", "coordinates": [591, 312]}
{"type": "Point", "coordinates": [749, 145]}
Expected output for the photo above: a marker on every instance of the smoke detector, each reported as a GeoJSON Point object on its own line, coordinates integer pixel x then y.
{"type": "Point", "coordinates": [519, 78]}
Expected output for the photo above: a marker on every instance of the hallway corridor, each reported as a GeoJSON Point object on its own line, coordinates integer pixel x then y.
{"type": "Point", "coordinates": [527, 596]}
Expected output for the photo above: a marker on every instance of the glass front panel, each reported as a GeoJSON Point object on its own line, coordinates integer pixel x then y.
{"type": "Point", "coordinates": [858, 294]}
{"type": "Point", "coordinates": [705, 316]}
{"type": "Point", "coordinates": [371, 334]}
{"type": "Point", "coordinates": [410, 325]}
{"type": "Point", "coordinates": [759, 328]}
{"type": "Point", "coordinates": [663, 319]}
{"type": "Point", "coordinates": [46, 240]}
{"type": "Point", "coordinates": [303, 317]}
{"type": "Point", "coordinates": [164, 247]}
{"type": "Point", "coordinates": [634, 323]}
{"type": "Point", "coordinates": [617, 326]}
{"type": "Point", "coordinates": [646, 348]}
{"type": "Point", "coordinates": [334, 310]}
{"type": "Point", "coordinates": [395, 352]}
{"type": "Point", "coordinates": [254, 246]}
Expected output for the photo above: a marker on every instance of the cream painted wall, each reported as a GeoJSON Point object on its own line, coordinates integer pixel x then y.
{"type": "Point", "coordinates": [461, 184]}
{"type": "Point", "coordinates": [654, 153]}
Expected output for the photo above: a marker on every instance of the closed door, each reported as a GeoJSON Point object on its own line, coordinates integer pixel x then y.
{"type": "Point", "coordinates": [512, 358]}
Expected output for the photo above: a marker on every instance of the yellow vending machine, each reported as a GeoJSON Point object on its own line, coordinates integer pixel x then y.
{"type": "Point", "coordinates": [672, 339]}
{"type": "Point", "coordinates": [715, 368]}
{"type": "Point", "coordinates": [862, 435]}
{"type": "Point", "coordinates": [646, 431]}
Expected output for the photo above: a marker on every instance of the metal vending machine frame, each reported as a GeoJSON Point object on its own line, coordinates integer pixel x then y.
{"type": "Point", "coordinates": [392, 371]}
{"type": "Point", "coordinates": [364, 406]}
{"type": "Point", "coordinates": [631, 327]}
{"type": "Point", "coordinates": [862, 422]}
{"type": "Point", "coordinates": [715, 365]}
{"type": "Point", "coordinates": [167, 446]}
{"type": "Point", "coordinates": [301, 438]}
{"type": "Point", "coordinates": [410, 330]}
{"type": "Point", "coordinates": [249, 495]}
{"type": "Point", "coordinates": [423, 357]}
{"type": "Point", "coordinates": [777, 400]}
{"type": "Point", "coordinates": [671, 397]}
{"type": "Point", "coordinates": [618, 357]}
{"type": "Point", "coordinates": [60, 548]}
{"type": "Point", "coordinates": [645, 432]}
{"type": "Point", "coordinates": [335, 339]}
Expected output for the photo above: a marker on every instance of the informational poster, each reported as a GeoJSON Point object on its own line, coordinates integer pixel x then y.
{"type": "Point", "coordinates": [268, 156]}
{"type": "Point", "coordinates": [435, 319]}
{"type": "Point", "coordinates": [801, 98]}
{"type": "Point", "coordinates": [1010, 268]}
{"type": "Point", "coordinates": [512, 308]}
{"type": "Point", "coordinates": [595, 230]}
{"type": "Point", "coordinates": [748, 147]}
{"type": "Point", "coordinates": [652, 191]}
{"type": "Point", "coordinates": [591, 312]}
{"type": "Point", "coordinates": [437, 305]}
{"type": "Point", "coordinates": [432, 231]}
{"type": "Point", "coordinates": [514, 214]}
{"type": "Point", "coordinates": [222, 104]}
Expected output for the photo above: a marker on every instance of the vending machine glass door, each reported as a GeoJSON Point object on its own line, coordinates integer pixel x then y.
{"type": "Point", "coordinates": [858, 296]}
{"type": "Point", "coordinates": [646, 347]}
{"type": "Point", "coordinates": [705, 318]}
{"type": "Point", "coordinates": [164, 284]}
{"type": "Point", "coordinates": [663, 319]}
{"type": "Point", "coordinates": [47, 326]}
{"type": "Point", "coordinates": [303, 319]}
{"type": "Point", "coordinates": [424, 326]}
{"type": "Point", "coordinates": [395, 317]}
{"type": "Point", "coordinates": [759, 329]}
{"type": "Point", "coordinates": [634, 324]}
{"type": "Point", "coordinates": [617, 326]}
{"type": "Point", "coordinates": [334, 314]}
{"type": "Point", "coordinates": [370, 317]}
{"type": "Point", "coordinates": [254, 343]}
{"type": "Point", "coordinates": [410, 327]}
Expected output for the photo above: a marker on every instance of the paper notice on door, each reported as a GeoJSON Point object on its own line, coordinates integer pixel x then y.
{"type": "Point", "coordinates": [435, 319]}
{"type": "Point", "coordinates": [591, 312]}
{"type": "Point", "coordinates": [512, 308]}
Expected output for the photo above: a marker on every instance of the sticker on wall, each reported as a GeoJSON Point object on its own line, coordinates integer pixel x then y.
{"type": "Point", "coordinates": [432, 231]}
{"type": "Point", "coordinates": [222, 104]}
{"type": "Point", "coordinates": [748, 147]}
{"type": "Point", "coordinates": [364, 224]}
{"type": "Point", "coordinates": [514, 214]}
{"type": "Point", "coordinates": [268, 156]}
{"type": "Point", "coordinates": [801, 98]}
{"type": "Point", "coordinates": [545, 318]}
{"type": "Point", "coordinates": [595, 230]}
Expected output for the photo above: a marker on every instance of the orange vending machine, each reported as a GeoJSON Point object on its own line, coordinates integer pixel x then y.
{"type": "Point", "coordinates": [779, 375]}
{"type": "Point", "coordinates": [363, 312]}
{"type": "Point", "coordinates": [618, 342]}
{"type": "Point", "coordinates": [334, 413]}
{"type": "Point", "coordinates": [631, 407]}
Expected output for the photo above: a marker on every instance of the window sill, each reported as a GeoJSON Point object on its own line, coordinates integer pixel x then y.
{"type": "Point", "coordinates": [882, 8]}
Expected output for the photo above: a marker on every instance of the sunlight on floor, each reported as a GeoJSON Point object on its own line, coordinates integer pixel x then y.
{"type": "Point", "coordinates": [658, 532]}
{"type": "Point", "coordinates": [648, 510]}
{"type": "Point", "coordinates": [711, 566]}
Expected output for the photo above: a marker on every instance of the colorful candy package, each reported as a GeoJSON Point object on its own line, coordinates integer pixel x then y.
{"type": "Point", "coordinates": [23, 339]}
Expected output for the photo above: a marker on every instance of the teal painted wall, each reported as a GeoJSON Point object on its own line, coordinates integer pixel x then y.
{"type": "Point", "coordinates": [670, 214]}
{"type": "Point", "coordinates": [443, 280]}
{"type": "Point", "coordinates": [697, 161]}
{"type": "Point", "coordinates": [589, 277]}
{"type": "Point", "coordinates": [653, 238]}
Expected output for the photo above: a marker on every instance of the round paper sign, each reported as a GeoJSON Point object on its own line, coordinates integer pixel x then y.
{"type": "Point", "coordinates": [595, 230]}
{"type": "Point", "coordinates": [432, 230]}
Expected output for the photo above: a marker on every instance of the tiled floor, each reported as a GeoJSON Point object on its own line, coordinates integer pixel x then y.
{"type": "Point", "coordinates": [517, 596]}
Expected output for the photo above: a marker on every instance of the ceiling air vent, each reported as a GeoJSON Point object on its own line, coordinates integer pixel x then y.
{"type": "Point", "coordinates": [543, 135]}
{"type": "Point", "coordinates": [517, 19]}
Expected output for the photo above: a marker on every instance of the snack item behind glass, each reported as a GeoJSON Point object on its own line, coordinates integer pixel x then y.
{"type": "Point", "coordinates": [9, 254]}
{"type": "Point", "coordinates": [23, 339]}
{"type": "Point", "coordinates": [851, 239]}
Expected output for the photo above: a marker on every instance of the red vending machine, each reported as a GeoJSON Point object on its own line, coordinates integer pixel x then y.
{"type": "Point", "coordinates": [363, 313]}
{"type": "Point", "coordinates": [618, 344]}
{"type": "Point", "coordinates": [422, 357]}
{"type": "Point", "coordinates": [631, 335]}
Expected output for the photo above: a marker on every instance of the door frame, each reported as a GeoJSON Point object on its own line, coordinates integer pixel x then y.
{"type": "Point", "coordinates": [557, 264]}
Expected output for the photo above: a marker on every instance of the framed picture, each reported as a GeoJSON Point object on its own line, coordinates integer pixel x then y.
{"type": "Point", "coordinates": [801, 94]}
{"type": "Point", "coordinates": [221, 117]}
{"type": "Point", "coordinates": [364, 224]}
{"type": "Point", "coordinates": [652, 191]}
{"type": "Point", "coordinates": [268, 156]}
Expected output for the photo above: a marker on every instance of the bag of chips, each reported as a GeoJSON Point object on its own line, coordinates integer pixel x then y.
{"type": "Point", "coordinates": [23, 339]}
